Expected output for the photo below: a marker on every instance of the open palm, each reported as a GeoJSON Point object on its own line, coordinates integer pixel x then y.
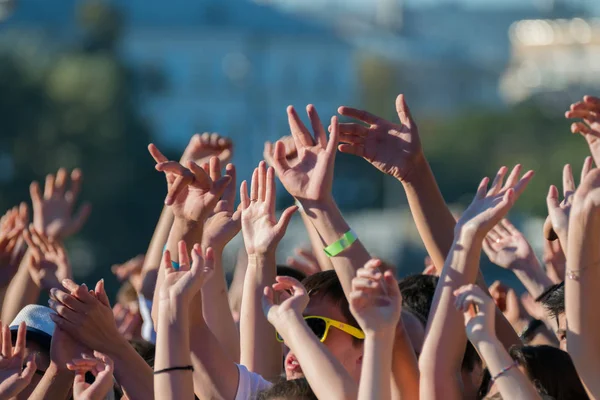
{"type": "Point", "coordinates": [49, 261]}
{"type": "Point", "coordinates": [391, 148]}
{"type": "Point", "coordinates": [311, 177]}
{"type": "Point", "coordinates": [505, 246]}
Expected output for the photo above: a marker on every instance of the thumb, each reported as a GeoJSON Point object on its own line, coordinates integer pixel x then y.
{"type": "Point", "coordinates": [101, 293]}
{"type": "Point", "coordinates": [403, 111]}
{"type": "Point", "coordinates": [285, 219]}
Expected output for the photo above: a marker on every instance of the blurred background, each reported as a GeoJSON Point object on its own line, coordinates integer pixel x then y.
{"type": "Point", "coordinates": [90, 83]}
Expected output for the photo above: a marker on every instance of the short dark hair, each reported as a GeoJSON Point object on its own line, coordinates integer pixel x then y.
{"type": "Point", "coordinates": [417, 294]}
{"type": "Point", "coordinates": [284, 270]}
{"type": "Point", "coordinates": [553, 299]}
{"type": "Point", "coordinates": [295, 389]}
{"type": "Point", "coordinates": [417, 297]}
{"type": "Point", "coordinates": [328, 285]}
{"type": "Point", "coordinates": [145, 349]}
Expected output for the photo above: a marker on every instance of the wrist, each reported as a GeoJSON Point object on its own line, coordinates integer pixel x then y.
{"type": "Point", "coordinates": [383, 333]}
{"type": "Point", "coordinates": [416, 170]}
{"type": "Point", "coordinates": [183, 225]}
{"type": "Point", "coordinates": [484, 340]}
{"type": "Point", "coordinates": [260, 258]}
{"type": "Point", "coordinates": [288, 321]}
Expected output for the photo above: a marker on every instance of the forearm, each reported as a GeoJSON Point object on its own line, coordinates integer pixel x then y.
{"type": "Point", "coordinates": [533, 277]}
{"type": "Point", "coordinates": [131, 371]}
{"type": "Point", "coordinates": [260, 352]}
{"type": "Point", "coordinates": [431, 214]}
{"type": "Point", "coordinates": [154, 252]}
{"type": "Point", "coordinates": [582, 296]}
{"type": "Point", "coordinates": [443, 350]}
{"type": "Point", "coordinates": [173, 350]}
{"type": "Point", "coordinates": [405, 367]}
{"type": "Point", "coordinates": [377, 364]}
{"type": "Point", "coordinates": [216, 310]}
{"type": "Point", "coordinates": [326, 376]}
{"type": "Point", "coordinates": [55, 384]}
{"type": "Point", "coordinates": [22, 291]}
{"type": "Point", "coordinates": [215, 375]}
{"type": "Point", "coordinates": [316, 243]}
{"type": "Point", "coordinates": [331, 226]}
{"type": "Point", "coordinates": [512, 384]}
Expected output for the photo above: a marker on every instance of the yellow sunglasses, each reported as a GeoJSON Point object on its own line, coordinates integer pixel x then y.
{"type": "Point", "coordinates": [320, 327]}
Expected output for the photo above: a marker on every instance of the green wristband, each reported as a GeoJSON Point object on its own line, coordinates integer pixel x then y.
{"type": "Point", "coordinates": [342, 244]}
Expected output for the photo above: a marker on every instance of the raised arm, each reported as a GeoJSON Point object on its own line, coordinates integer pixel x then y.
{"type": "Point", "coordinates": [588, 111]}
{"type": "Point", "coordinates": [376, 303]}
{"type": "Point", "coordinates": [478, 310]}
{"type": "Point", "coordinates": [262, 232]}
{"type": "Point", "coordinates": [325, 374]}
{"type": "Point", "coordinates": [173, 377]}
{"type": "Point", "coordinates": [12, 249]}
{"type": "Point", "coordinates": [582, 285]}
{"type": "Point", "coordinates": [506, 247]}
{"type": "Point", "coordinates": [443, 350]}
{"type": "Point", "coordinates": [310, 182]}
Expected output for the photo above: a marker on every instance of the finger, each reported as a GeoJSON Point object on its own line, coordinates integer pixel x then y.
{"type": "Point", "coordinates": [334, 138]}
{"type": "Point", "coordinates": [581, 128]}
{"type": "Point", "coordinates": [404, 112]}
{"type": "Point", "coordinates": [357, 150]}
{"type": "Point", "coordinates": [291, 283]}
{"type": "Point", "coordinates": [30, 368]}
{"type": "Point", "coordinates": [568, 181]}
{"type": "Point", "coordinates": [6, 341]}
{"type": "Point", "coordinates": [588, 165]}
{"type": "Point", "coordinates": [81, 292]}
{"type": "Point", "coordinates": [317, 126]}
{"type": "Point", "coordinates": [353, 129]}
{"type": "Point", "coordinates": [513, 178]}
{"type": "Point", "coordinates": [262, 179]}
{"type": "Point", "coordinates": [584, 112]}
{"type": "Point", "coordinates": [215, 168]}
{"type": "Point", "coordinates": [391, 284]}
{"type": "Point", "coordinates": [244, 199]}
{"type": "Point", "coordinates": [552, 199]}
{"type": "Point", "coordinates": [20, 343]}
{"type": "Point", "coordinates": [365, 283]}
{"type": "Point", "coordinates": [352, 139]}
{"type": "Point", "coordinates": [70, 301]}
{"type": "Point", "coordinates": [509, 227]}
{"type": "Point", "coordinates": [301, 135]}
{"type": "Point", "coordinates": [373, 274]}
{"type": "Point", "coordinates": [201, 178]}
{"type": "Point", "coordinates": [100, 292]}
{"type": "Point", "coordinates": [502, 231]}
{"type": "Point", "coordinates": [184, 258]}
{"type": "Point", "coordinates": [359, 115]}
{"type": "Point", "coordinates": [35, 193]}
{"type": "Point", "coordinates": [64, 311]}
{"type": "Point", "coordinates": [254, 186]}
{"type": "Point", "coordinates": [156, 154]}
{"type": "Point", "coordinates": [60, 182]}
{"type": "Point", "coordinates": [280, 162]}
{"type": "Point", "coordinates": [49, 186]}
{"type": "Point", "coordinates": [268, 153]}
{"type": "Point", "coordinates": [487, 246]}
{"type": "Point", "coordinates": [592, 100]}
{"type": "Point", "coordinates": [76, 181]}
{"type": "Point", "coordinates": [270, 194]}
{"type": "Point", "coordinates": [167, 264]}
{"type": "Point", "coordinates": [497, 184]}
{"type": "Point", "coordinates": [229, 193]}
{"type": "Point", "coordinates": [482, 189]}
{"type": "Point", "coordinates": [80, 218]}
{"type": "Point", "coordinates": [285, 219]}
{"type": "Point", "coordinates": [523, 182]}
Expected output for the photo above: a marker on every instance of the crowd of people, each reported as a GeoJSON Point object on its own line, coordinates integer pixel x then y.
{"type": "Point", "coordinates": [334, 323]}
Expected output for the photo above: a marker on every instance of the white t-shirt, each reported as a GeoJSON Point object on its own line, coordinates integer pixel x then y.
{"type": "Point", "coordinates": [250, 384]}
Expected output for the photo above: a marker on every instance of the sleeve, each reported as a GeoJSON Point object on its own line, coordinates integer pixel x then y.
{"type": "Point", "coordinates": [250, 384]}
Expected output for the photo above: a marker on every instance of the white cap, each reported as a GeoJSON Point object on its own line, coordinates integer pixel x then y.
{"type": "Point", "coordinates": [37, 319]}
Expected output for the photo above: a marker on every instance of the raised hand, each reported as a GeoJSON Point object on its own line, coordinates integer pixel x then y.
{"type": "Point", "coordinates": [262, 232]}
{"type": "Point", "coordinates": [393, 148]}
{"type": "Point", "coordinates": [202, 148]}
{"type": "Point", "coordinates": [312, 177]}
{"type": "Point", "coordinates": [181, 285]}
{"type": "Point", "coordinates": [479, 312]}
{"type": "Point", "coordinates": [49, 262]}
{"type": "Point", "coordinates": [557, 223]}
{"type": "Point", "coordinates": [375, 300]}
{"type": "Point", "coordinates": [128, 268]}
{"type": "Point", "coordinates": [490, 206]}
{"type": "Point", "coordinates": [129, 321]}
{"type": "Point", "coordinates": [225, 222]}
{"type": "Point", "coordinates": [14, 376]}
{"type": "Point", "coordinates": [102, 367]}
{"type": "Point", "coordinates": [12, 244]}
{"type": "Point", "coordinates": [589, 111]}
{"type": "Point", "coordinates": [192, 194]}
{"type": "Point", "coordinates": [293, 300]}
{"type": "Point", "coordinates": [555, 261]}
{"type": "Point", "coordinates": [506, 247]}
{"type": "Point", "coordinates": [53, 213]}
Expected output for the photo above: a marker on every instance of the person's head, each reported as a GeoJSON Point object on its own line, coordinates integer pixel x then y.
{"type": "Point", "coordinates": [549, 369]}
{"type": "Point", "coordinates": [40, 329]}
{"type": "Point", "coordinates": [417, 297]}
{"type": "Point", "coordinates": [327, 299]}
{"type": "Point", "coordinates": [284, 270]}
{"type": "Point", "coordinates": [294, 389]}
{"type": "Point", "coordinates": [553, 300]}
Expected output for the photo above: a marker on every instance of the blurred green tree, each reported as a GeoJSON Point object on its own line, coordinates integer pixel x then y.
{"type": "Point", "coordinates": [76, 107]}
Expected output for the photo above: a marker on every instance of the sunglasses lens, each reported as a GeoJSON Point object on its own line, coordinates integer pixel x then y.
{"type": "Point", "coordinates": [318, 326]}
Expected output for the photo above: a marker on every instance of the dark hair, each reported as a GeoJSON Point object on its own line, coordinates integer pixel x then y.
{"type": "Point", "coordinates": [145, 349]}
{"type": "Point", "coordinates": [417, 297]}
{"type": "Point", "coordinates": [551, 370]}
{"type": "Point", "coordinates": [553, 299]}
{"type": "Point", "coordinates": [295, 389]}
{"type": "Point", "coordinates": [417, 294]}
{"type": "Point", "coordinates": [328, 285]}
{"type": "Point", "coordinates": [284, 270]}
